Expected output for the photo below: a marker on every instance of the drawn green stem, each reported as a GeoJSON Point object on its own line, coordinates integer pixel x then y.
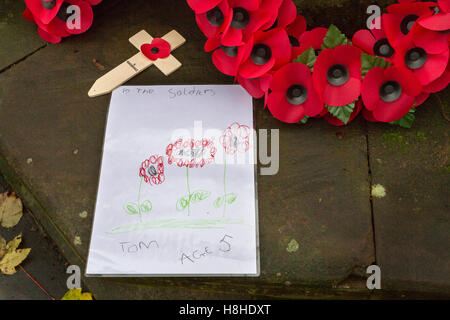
{"type": "Point", "coordinates": [139, 201]}
{"type": "Point", "coordinates": [224, 185]}
{"type": "Point", "coordinates": [189, 191]}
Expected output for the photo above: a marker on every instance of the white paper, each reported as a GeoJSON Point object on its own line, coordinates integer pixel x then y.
{"type": "Point", "coordinates": [146, 221]}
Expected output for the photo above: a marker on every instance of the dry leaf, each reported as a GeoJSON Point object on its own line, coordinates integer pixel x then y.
{"type": "Point", "coordinates": [10, 210]}
{"type": "Point", "coordinates": [14, 243]}
{"type": "Point", "coordinates": [75, 294]}
{"type": "Point", "coordinates": [12, 259]}
{"type": "Point", "coordinates": [2, 247]}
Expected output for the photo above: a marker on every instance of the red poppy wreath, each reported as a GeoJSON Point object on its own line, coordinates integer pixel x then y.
{"type": "Point", "coordinates": [383, 73]}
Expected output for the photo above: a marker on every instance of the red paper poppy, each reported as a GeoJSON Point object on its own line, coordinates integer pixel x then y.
{"type": "Point", "coordinates": [201, 6]}
{"type": "Point", "coordinates": [212, 22]}
{"type": "Point", "coordinates": [292, 94]}
{"type": "Point", "coordinates": [247, 17]}
{"type": "Point", "coordinates": [236, 139]}
{"type": "Point", "coordinates": [45, 10]}
{"type": "Point", "coordinates": [258, 87]}
{"type": "Point", "coordinates": [157, 49]}
{"type": "Point", "coordinates": [440, 83]}
{"type": "Point", "coordinates": [271, 50]}
{"type": "Point", "coordinates": [336, 122]}
{"type": "Point", "coordinates": [374, 42]}
{"type": "Point", "coordinates": [64, 23]}
{"type": "Point", "coordinates": [337, 75]}
{"type": "Point", "coordinates": [421, 98]}
{"type": "Point", "coordinates": [287, 13]}
{"type": "Point", "coordinates": [401, 18]}
{"type": "Point", "coordinates": [295, 31]}
{"type": "Point", "coordinates": [228, 59]}
{"type": "Point", "coordinates": [152, 170]}
{"type": "Point", "coordinates": [390, 93]}
{"type": "Point", "coordinates": [440, 20]}
{"type": "Point", "coordinates": [191, 153]}
{"type": "Point", "coordinates": [426, 64]}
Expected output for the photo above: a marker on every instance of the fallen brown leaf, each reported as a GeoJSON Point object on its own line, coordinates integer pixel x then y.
{"type": "Point", "coordinates": [12, 256]}
{"type": "Point", "coordinates": [10, 210]}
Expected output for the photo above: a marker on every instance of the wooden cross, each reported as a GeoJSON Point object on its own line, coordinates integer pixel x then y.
{"type": "Point", "coordinates": [138, 63]}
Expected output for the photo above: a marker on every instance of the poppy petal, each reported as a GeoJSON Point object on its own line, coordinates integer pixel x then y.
{"type": "Point", "coordinates": [48, 37]}
{"type": "Point", "coordinates": [392, 111]}
{"type": "Point", "coordinates": [41, 13]}
{"type": "Point", "coordinates": [364, 40]}
{"type": "Point", "coordinates": [370, 87]}
{"type": "Point", "coordinates": [342, 95]}
{"type": "Point", "coordinates": [281, 109]}
{"type": "Point", "coordinates": [201, 6]}
{"type": "Point", "coordinates": [433, 68]}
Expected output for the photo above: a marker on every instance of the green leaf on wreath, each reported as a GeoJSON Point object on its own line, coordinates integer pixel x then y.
{"type": "Point", "coordinates": [342, 113]}
{"type": "Point", "coordinates": [304, 120]}
{"type": "Point", "coordinates": [407, 120]}
{"type": "Point", "coordinates": [308, 58]}
{"type": "Point", "coordinates": [368, 62]}
{"type": "Point", "coordinates": [334, 38]}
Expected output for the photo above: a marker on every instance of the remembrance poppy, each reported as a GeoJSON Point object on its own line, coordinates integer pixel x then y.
{"type": "Point", "coordinates": [374, 42]}
{"type": "Point", "coordinates": [152, 170]}
{"type": "Point", "coordinates": [337, 75]}
{"type": "Point", "coordinates": [389, 93]}
{"type": "Point", "coordinates": [201, 6]}
{"type": "Point", "coordinates": [157, 49]}
{"type": "Point", "coordinates": [271, 49]}
{"type": "Point", "coordinates": [293, 95]}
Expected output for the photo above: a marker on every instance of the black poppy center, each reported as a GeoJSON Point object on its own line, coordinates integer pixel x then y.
{"type": "Point", "coordinates": [62, 12]}
{"type": "Point", "coordinates": [407, 23]}
{"type": "Point", "coordinates": [152, 171]}
{"type": "Point", "coordinates": [338, 75]}
{"type": "Point", "coordinates": [241, 18]}
{"type": "Point", "coordinates": [415, 58]}
{"type": "Point", "coordinates": [261, 54]}
{"type": "Point", "coordinates": [48, 4]}
{"type": "Point", "coordinates": [296, 94]}
{"type": "Point", "coordinates": [215, 17]}
{"type": "Point", "coordinates": [294, 41]}
{"type": "Point", "coordinates": [230, 51]}
{"type": "Point", "coordinates": [382, 48]}
{"type": "Point", "coordinates": [155, 50]}
{"type": "Point", "coordinates": [390, 91]}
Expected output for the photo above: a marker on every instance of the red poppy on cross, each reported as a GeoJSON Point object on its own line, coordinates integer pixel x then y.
{"type": "Point", "coordinates": [140, 61]}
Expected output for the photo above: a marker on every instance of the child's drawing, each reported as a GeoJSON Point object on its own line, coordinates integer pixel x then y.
{"type": "Point", "coordinates": [151, 172]}
{"type": "Point", "coordinates": [191, 153]}
{"type": "Point", "coordinates": [236, 139]}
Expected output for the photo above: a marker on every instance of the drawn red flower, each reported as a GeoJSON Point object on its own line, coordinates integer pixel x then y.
{"type": "Point", "coordinates": [374, 42]}
{"type": "Point", "coordinates": [152, 170]}
{"type": "Point", "coordinates": [337, 75]}
{"type": "Point", "coordinates": [427, 62]}
{"type": "Point", "coordinates": [157, 49]}
{"type": "Point", "coordinates": [236, 139]}
{"type": "Point", "coordinates": [191, 153]}
{"type": "Point", "coordinates": [271, 50]}
{"type": "Point", "coordinates": [52, 18]}
{"type": "Point", "coordinates": [401, 18]}
{"type": "Point", "coordinates": [292, 94]}
{"type": "Point", "coordinates": [246, 17]}
{"type": "Point", "coordinates": [336, 122]}
{"type": "Point", "coordinates": [389, 93]}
